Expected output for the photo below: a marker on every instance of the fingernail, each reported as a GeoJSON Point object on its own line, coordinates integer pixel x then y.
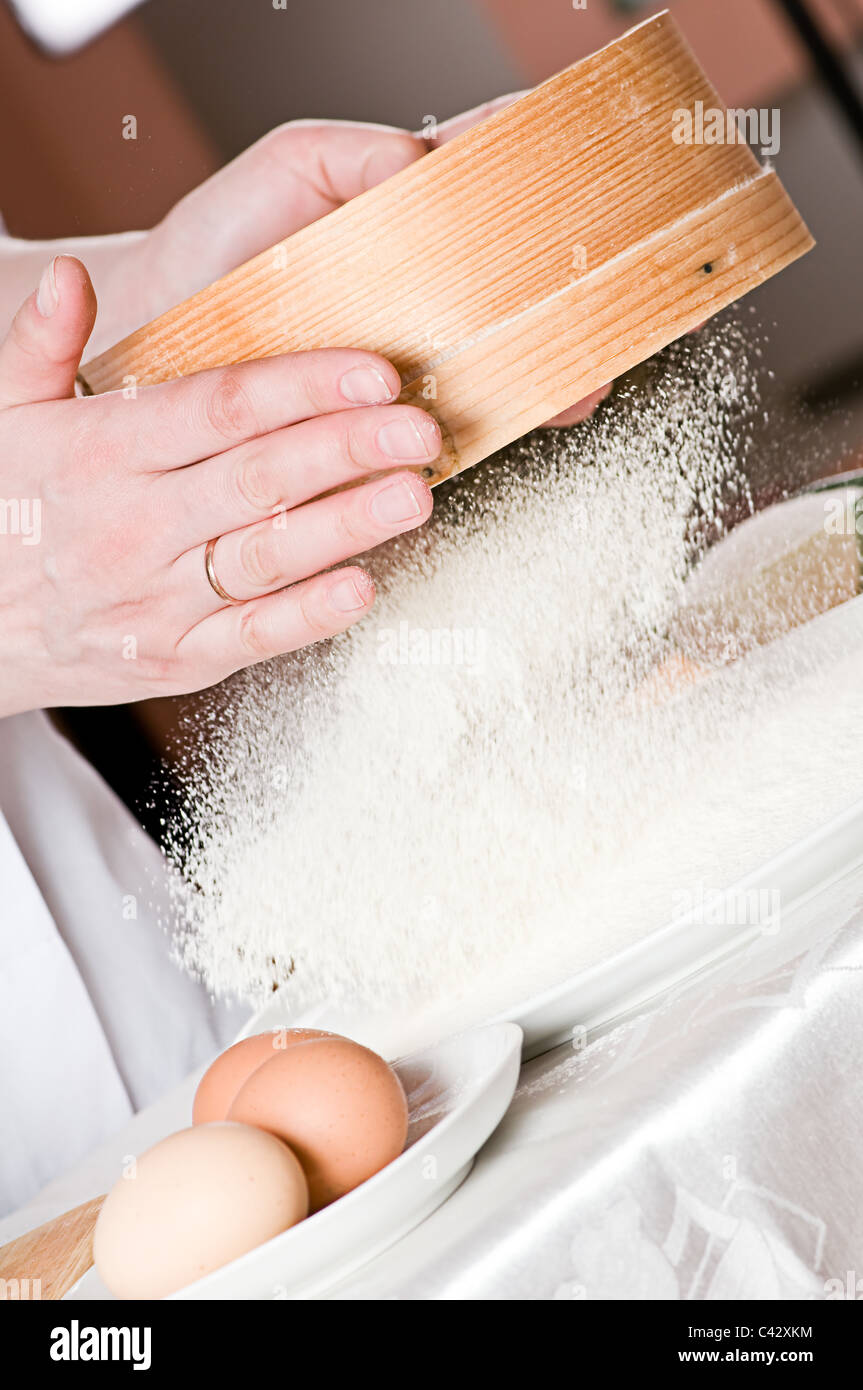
{"type": "Point", "coordinates": [395, 503]}
{"type": "Point", "coordinates": [366, 386]}
{"type": "Point", "coordinates": [47, 297]}
{"type": "Point", "coordinates": [346, 595]}
{"type": "Point", "coordinates": [403, 439]}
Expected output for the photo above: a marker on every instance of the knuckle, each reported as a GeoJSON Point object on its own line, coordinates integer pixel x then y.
{"type": "Point", "coordinates": [357, 529]}
{"type": "Point", "coordinates": [89, 453]}
{"type": "Point", "coordinates": [357, 449]}
{"type": "Point", "coordinates": [312, 385]}
{"type": "Point", "coordinates": [228, 409]}
{"type": "Point", "coordinates": [254, 485]}
{"type": "Point", "coordinates": [253, 639]}
{"type": "Point", "coordinates": [313, 617]}
{"type": "Point", "coordinates": [258, 561]}
{"type": "Point", "coordinates": [81, 437]}
{"type": "Point", "coordinates": [280, 142]}
{"type": "Point", "coordinates": [297, 143]}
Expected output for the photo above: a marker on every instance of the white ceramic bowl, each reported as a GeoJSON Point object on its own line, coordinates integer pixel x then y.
{"type": "Point", "coordinates": [457, 1092]}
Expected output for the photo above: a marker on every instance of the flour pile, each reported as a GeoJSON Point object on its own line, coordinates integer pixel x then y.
{"type": "Point", "coordinates": [465, 798]}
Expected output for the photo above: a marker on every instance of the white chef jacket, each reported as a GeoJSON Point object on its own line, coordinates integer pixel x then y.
{"type": "Point", "coordinates": [96, 1020]}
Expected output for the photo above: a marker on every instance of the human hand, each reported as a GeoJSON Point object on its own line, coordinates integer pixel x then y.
{"type": "Point", "coordinates": [110, 502]}
{"type": "Point", "coordinates": [291, 177]}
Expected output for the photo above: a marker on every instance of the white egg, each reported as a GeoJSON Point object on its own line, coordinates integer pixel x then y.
{"type": "Point", "coordinates": [192, 1203]}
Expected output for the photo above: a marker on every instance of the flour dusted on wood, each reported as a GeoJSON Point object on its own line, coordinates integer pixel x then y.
{"type": "Point", "coordinates": [463, 799]}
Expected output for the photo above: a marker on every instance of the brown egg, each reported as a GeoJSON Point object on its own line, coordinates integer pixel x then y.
{"type": "Point", "coordinates": [221, 1082]}
{"type": "Point", "coordinates": [195, 1201]}
{"type": "Point", "coordinates": [339, 1106]}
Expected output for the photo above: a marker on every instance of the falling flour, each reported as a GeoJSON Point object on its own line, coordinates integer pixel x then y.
{"type": "Point", "coordinates": [469, 796]}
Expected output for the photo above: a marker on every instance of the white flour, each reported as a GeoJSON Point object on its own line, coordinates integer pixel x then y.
{"type": "Point", "coordinates": [460, 801]}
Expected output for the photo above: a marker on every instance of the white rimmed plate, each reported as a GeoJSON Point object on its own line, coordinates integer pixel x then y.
{"type": "Point", "coordinates": [664, 958]}
{"type": "Point", "coordinates": [598, 995]}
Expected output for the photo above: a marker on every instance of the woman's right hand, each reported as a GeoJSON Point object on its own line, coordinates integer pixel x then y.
{"type": "Point", "coordinates": [107, 504]}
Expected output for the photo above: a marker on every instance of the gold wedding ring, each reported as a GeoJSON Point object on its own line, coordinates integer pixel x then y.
{"type": "Point", "coordinates": [212, 576]}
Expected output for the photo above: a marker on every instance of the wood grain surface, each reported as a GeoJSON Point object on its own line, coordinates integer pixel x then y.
{"type": "Point", "coordinates": [45, 1263]}
{"type": "Point", "coordinates": [513, 270]}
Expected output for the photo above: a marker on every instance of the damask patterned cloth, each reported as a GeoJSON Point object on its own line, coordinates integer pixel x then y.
{"type": "Point", "coordinates": [706, 1148]}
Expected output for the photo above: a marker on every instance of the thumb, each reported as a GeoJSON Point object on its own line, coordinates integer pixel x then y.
{"type": "Point", "coordinates": [42, 350]}
{"type": "Point", "coordinates": [291, 177]}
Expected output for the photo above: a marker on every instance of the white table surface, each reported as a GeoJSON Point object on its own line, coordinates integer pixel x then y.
{"type": "Point", "coordinates": [707, 1147]}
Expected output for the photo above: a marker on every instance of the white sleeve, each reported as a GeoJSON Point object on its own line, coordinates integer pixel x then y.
{"type": "Point", "coordinates": [96, 1020]}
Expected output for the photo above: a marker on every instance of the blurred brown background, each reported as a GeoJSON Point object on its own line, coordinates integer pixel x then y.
{"type": "Point", "coordinates": [206, 77]}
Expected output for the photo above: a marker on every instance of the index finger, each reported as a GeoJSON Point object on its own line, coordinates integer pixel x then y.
{"type": "Point", "coordinates": [192, 418]}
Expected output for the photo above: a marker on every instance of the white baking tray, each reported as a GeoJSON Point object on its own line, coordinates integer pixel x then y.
{"type": "Point", "coordinates": [616, 986]}
{"type": "Point", "coordinates": [593, 998]}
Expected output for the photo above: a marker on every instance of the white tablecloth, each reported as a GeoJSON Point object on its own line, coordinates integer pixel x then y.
{"type": "Point", "coordinates": [96, 1020]}
{"type": "Point", "coordinates": [707, 1147]}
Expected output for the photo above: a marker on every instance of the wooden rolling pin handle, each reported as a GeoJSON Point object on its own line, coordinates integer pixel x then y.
{"type": "Point", "coordinates": [46, 1262]}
